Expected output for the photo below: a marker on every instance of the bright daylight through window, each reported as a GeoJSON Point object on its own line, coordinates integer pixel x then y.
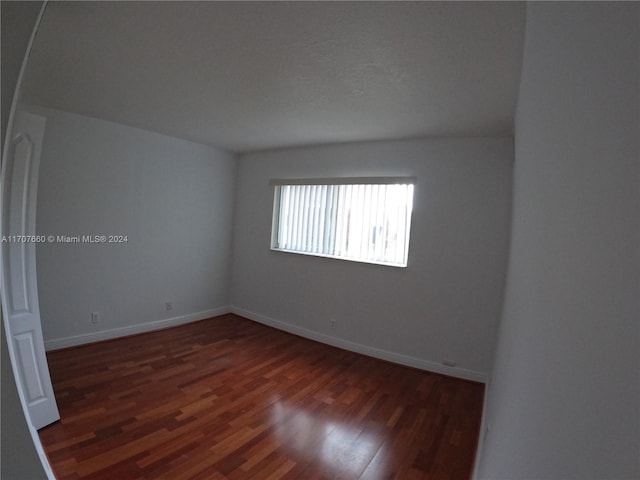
{"type": "Point", "coordinates": [359, 219]}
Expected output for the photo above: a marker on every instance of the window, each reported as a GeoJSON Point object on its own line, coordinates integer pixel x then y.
{"type": "Point", "coordinates": [360, 219]}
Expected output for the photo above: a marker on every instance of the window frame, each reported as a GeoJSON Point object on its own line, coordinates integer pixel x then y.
{"type": "Point", "coordinates": [337, 181]}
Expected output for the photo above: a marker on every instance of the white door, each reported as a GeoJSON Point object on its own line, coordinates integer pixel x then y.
{"type": "Point", "coordinates": [20, 290]}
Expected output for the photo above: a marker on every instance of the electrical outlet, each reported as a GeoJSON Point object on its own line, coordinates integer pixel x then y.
{"type": "Point", "coordinates": [332, 323]}
{"type": "Point", "coordinates": [95, 317]}
{"type": "Point", "coordinates": [168, 306]}
{"type": "Point", "coordinates": [487, 430]}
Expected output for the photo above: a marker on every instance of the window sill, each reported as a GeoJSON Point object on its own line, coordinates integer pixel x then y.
{"type": "Point", "coordinates": [336, 257]}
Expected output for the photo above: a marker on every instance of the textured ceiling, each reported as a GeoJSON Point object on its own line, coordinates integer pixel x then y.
{"type": "Point", "coordinates": [255, 75]}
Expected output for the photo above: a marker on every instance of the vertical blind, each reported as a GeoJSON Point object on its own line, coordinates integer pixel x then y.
{"type": "Point", "coordinates": [365, 222]}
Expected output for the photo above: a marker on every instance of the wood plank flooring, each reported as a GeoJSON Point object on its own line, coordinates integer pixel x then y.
{"type": "Point", "coordinates": [227, 398]}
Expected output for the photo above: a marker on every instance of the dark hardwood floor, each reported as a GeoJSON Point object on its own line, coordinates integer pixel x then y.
{"type": "Point", "coordinates": [227, 398]}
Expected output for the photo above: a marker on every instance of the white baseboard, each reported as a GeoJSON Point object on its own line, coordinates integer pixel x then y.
{"type": "Point", "coordinates": [394, 357]}
{"type": "Point", "coordinates": [483, 431]}
{"type": "Point", "coordinates": [363, 349]}
{"type": "Point", "coordinates": [83, 338]}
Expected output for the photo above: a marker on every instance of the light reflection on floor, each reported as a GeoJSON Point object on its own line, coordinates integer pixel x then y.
{"type": "Point", "coordinates": [317, 437]}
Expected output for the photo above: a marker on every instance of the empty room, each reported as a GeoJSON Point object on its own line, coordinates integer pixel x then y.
{"type": "Point", "coordinates": [320, 240]}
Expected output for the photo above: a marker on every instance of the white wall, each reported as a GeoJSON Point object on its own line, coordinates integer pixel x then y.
{"type": "Point", "coordinates": [444, 305]}
{"type": "Point", "coordinates": [174, 201]}
{"type": "Point", "coordinates": [565, 399]}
